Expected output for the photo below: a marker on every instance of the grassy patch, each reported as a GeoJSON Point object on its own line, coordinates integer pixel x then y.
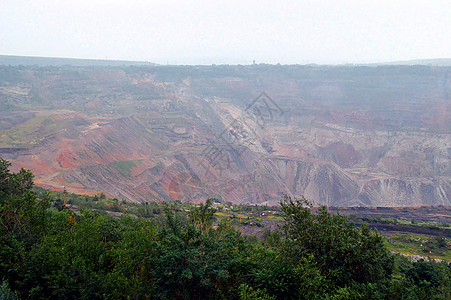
{"type": "Point", "coordinates": [241, 216]}
{"type": "Point", "coordinates": [30, 132]}
{"type": "Point", "coordinates": [274, 217]}
{"type": "Point", "coordinates": [124, 167]}
{"type": "Point", "coordinates": [412, 244]}
{"type": "Point", "coordinates": [23, 135]}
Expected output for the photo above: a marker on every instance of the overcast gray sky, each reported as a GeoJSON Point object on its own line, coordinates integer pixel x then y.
{"type": "Point", "coordinates": [232, 31]}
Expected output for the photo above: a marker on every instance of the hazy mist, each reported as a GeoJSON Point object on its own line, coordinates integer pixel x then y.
{"type": "Point", "coordinates": [233, 32]}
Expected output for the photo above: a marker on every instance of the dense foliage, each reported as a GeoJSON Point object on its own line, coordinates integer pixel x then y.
{"type": "Point", "coordinates": [50, 251]}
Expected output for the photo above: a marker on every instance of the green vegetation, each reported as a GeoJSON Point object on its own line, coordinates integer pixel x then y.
{"type": "Point", "coordinates": [436, 247]}
{"type": "Point", "coordinates": [175, 251]}
{"type": "Point", "coordinates": [404, 223]}
{"type": "Point", "coordinates": [124, 167]}
{"type": "Point", "coordinates": [30, 132]}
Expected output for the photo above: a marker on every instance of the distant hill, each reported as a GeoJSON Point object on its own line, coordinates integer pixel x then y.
{"type": "Point", "coordinates": [441, 62]}
{"type": "Point", "coordinates": [14, 60]}
{"type": "Point", "coordinates": [57, 61]}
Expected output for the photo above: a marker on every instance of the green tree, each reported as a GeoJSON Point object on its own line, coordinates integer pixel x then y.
{"type": "Point", "coordinates": [202, 216]}
{"type": "Point", "coordinates": [342, 252]}
{"type": "Point", "coordinates": [23, 220]}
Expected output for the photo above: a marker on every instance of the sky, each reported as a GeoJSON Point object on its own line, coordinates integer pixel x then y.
{"type": "Point", "coordinates": [228, 32]}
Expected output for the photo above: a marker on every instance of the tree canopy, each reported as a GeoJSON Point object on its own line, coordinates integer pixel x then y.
{"type": "Point", "coordinates": [50, 252]}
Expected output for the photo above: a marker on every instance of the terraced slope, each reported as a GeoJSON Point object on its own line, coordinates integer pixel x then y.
{"type": "Point", "coordinates": [343, 136]}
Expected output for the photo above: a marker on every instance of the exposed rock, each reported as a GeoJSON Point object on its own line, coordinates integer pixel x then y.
{"type": "Point", "coordinates": [341, 136]}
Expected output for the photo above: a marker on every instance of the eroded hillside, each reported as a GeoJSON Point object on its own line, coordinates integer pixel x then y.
{"type": "Point", "coordinates": [343, 136]}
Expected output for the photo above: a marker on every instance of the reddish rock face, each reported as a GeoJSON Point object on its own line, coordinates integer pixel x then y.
{"type": "Point", "coordinates": [341, 136]}
{"type": "Point", "coordinates": [342, 154]}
